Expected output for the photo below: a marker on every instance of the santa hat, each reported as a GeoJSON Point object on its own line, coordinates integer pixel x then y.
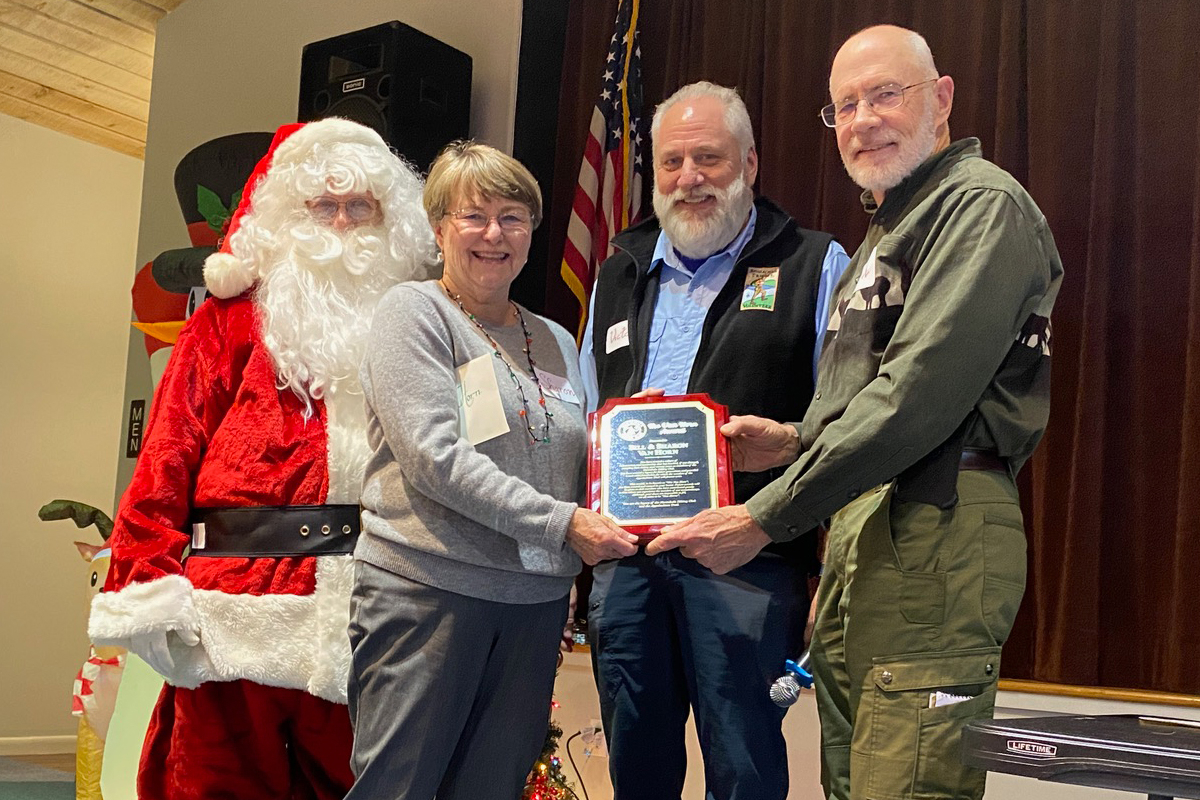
{"type": "Point", "coordinates": [225, 274]}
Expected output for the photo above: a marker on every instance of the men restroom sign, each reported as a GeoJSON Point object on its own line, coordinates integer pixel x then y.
{"type": "Point", "coordinates": [137, 427]}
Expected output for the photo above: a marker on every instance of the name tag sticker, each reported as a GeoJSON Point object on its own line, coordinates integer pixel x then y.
{"type": "Point", "coordinates": [618, 337]}
{"type": "Point", "coordinates": [480, 409]}
{"type": "Point", "coordinates": [866, 278]}
{"type": "Point", "coordinates": [556, 387]}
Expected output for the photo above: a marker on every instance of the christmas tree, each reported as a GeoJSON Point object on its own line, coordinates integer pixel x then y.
{"type": "Point", "coordinates": [546, 779]}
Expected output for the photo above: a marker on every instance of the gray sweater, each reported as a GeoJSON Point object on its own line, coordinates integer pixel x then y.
{"type": "Point", "coordinates": [485, 520]}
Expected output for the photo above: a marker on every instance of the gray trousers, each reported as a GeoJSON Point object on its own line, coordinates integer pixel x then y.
{"type": "Point", "coordinates": [449, 695]}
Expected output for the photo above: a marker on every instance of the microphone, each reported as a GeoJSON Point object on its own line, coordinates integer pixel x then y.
{"type": "Point", "coordinates": [786, 690]}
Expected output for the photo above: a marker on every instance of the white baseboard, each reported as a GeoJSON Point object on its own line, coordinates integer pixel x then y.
{"type": "Point", "coordinates": [36, 745]}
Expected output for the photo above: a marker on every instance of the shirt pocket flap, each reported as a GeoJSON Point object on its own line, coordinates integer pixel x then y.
{"type": "Point", "coordinates": [893, 248]}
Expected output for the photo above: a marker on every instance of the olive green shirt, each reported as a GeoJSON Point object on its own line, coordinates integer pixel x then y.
{"type": "Point", "coordinates": [944, 309]}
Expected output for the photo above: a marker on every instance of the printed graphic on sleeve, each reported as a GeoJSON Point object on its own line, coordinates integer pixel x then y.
{"type": "Point", "coordinates": [879, 285]}
{"type": "Point", "coordinates": [1035, 334]}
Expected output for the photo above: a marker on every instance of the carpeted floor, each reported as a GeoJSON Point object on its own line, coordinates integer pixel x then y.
{"type": "Point", "coordinates": [27, 779]}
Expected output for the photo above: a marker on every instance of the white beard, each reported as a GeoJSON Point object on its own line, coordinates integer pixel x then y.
{"type": "Point", "coordinates": [317, 301]}
{"type": "Point", "coordinates": [700, 238]}
{"type": "Point", "coordinates": [910, 154]}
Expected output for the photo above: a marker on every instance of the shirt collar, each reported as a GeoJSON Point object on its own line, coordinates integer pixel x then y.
{"type": "Point", "coordinates": [665, 253]}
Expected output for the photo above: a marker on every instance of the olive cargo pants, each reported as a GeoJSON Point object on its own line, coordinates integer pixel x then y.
{"type": "Point", "coordinates": [913, 607]}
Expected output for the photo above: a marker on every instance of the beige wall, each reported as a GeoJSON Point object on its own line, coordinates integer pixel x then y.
{"type": "Point", "coordinates": [68, 227]}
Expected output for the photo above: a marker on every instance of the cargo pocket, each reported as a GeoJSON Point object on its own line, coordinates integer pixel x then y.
{"type": "Point", "coordinates": [902, 747]}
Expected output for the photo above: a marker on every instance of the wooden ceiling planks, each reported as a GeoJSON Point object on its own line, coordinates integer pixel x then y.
{"type": "Point", "coordinates": [133, 12]}
{"type": "Point", "coordinates": [81, 67]}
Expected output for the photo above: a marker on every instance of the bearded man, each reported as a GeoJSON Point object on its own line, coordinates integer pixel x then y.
{"type": "Point", "coordinates": [253, 459]}
{"type": "Point", "coordinates": [678, 309]}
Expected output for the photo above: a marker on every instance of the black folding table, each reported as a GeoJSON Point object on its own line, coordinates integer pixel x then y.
{"type": "Point", "coordinates": [1153, 755]}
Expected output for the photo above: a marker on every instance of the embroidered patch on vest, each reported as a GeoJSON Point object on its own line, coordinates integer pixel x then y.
{"type": "Point", "coordinates": [759, 292]}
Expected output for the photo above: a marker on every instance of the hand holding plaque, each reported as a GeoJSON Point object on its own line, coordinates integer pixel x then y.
{"type": "Point", "coordinates": [654, 461]}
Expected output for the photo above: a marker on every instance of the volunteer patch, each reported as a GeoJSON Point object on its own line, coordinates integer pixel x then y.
{"type": "Point", "coordinates": [759, 293]}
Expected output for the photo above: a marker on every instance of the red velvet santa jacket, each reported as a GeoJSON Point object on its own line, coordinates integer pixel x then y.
{"type": "Point", "coordinates": [221, 434]}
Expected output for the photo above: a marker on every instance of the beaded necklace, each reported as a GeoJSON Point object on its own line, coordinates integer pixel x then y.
{"type": "Point", "coordinates": [524, 412]}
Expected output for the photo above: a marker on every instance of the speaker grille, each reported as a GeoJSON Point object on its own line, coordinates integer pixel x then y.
{"type": "Point", "coordinates": [412, 89]}
{"type": "Point", "coordinates": [359, 109]}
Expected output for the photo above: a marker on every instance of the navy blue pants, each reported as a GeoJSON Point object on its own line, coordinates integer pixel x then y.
{"type": "Point", "coordinates": [668, 635]}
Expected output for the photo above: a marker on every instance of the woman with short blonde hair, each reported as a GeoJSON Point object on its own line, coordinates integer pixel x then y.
{"type": "Point", "coordinates": [471, 532]}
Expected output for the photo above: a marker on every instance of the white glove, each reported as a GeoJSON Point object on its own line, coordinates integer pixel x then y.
{"type": "Point", "coordinates": [152, 648]}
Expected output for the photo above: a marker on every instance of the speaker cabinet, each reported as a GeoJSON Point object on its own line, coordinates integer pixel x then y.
{"type": "Point", "coordinates": [411, 88]}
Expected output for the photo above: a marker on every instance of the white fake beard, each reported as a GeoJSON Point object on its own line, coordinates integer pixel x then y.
{"type": "Point", "coordinates": [700, 238]}
{"type": "Point", "coordinates": [317, 302]}
{"type": "Point", "coordinates": [910, 154]}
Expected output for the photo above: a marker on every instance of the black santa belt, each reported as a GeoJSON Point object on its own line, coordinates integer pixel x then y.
{"type": "Point", "coordinates": [275, 531]}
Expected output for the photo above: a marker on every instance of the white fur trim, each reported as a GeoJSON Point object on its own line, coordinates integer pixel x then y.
{"type": "Point", "coordinates": [295, 149]}
{"type": "Point", "coordinates": [288, 640]}
{"type": "Point", "coordinates": [226, 276]}
{"type": "Point", "coordinates": [165, 604]}
{"type": "Point", "coordinates": [346, 438]}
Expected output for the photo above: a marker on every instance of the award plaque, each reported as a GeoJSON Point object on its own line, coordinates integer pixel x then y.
{"type": "Point", "coordinates": [653, 461]}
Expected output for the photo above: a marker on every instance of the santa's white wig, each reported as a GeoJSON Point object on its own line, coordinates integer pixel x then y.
{"type": "Point", "coordinates": [315, 286]}
{"type": "Point", "coordinates": [329, 156]}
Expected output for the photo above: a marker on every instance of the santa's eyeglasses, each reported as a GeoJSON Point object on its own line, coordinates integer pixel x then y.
{"type": "Point", "coordinates": [358, 209]}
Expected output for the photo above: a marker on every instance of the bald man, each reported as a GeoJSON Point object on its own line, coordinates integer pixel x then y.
{"type": "Point", "coordinates": [933, 391]}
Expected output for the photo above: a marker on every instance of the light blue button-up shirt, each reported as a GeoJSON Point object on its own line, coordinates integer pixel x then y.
{"type": "Point", "coordinates": [684, 299]}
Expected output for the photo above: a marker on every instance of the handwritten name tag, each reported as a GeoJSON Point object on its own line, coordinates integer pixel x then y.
{"type": "Point", "coordinates": [618, 337]}
{"type": "Point", "coordinates": [480, 409]}
{"type": "Point", "coordinates": [556, 387]}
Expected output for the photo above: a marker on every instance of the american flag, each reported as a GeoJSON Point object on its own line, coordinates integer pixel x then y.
{"type": "Point", "coordinates": [608, 197]}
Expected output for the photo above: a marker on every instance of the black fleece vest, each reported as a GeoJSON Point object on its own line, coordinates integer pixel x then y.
{"type": "Point", "coordinates": [753, 361]}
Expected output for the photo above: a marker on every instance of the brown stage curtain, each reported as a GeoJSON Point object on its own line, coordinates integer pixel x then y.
{"type": "Point", "coordinates": [1092, 105]}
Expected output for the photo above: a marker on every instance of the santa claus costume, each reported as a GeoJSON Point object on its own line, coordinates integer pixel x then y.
{"type": "Point", "coordinates": [252, 466]}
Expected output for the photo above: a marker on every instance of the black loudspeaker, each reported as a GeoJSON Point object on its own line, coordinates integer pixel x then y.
{"type": "Point", "coordinates": [411, 88]}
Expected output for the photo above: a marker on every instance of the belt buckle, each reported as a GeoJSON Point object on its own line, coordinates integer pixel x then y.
{"type": "Point", "coordinates": [199, 535]}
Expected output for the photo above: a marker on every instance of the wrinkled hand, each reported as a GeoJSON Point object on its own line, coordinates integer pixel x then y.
{"type": "Point", "coordinates": [596, 538]}
{"type": "Point", "coordinates": [568, 634]}
{"type": "Point", "coordinates": [721, 539]}
{"type": "Point", "coordinates": [757, 443]}
{"type": "Point", "coordinates": [152, 648]}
